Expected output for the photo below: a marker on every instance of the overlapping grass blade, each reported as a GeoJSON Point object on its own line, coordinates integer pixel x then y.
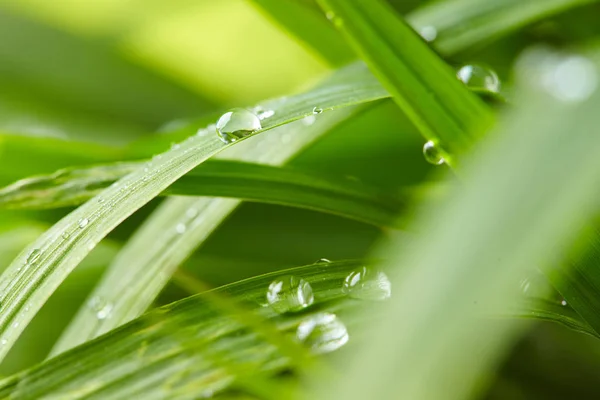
{"type": "Point", "coordinates": [36, 273]}
{"type": "Point", "coordinates": [254, 182]}
{"type": "Point", "coordinates": [133, 281]}
{"type": "Point", "coordinates": [136, 359]}
{"type": "Point", "coordinates": [535, 174]}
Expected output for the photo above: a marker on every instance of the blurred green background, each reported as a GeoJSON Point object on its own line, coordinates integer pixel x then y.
{"type": "Point", "coordinates": [84, 80]}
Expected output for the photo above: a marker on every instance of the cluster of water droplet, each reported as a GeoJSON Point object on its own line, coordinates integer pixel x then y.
{"type": "Point", "coordinates": [324, 332]}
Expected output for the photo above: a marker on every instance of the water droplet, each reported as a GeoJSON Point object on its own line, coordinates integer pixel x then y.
{"type": "Point", "coordinates": [317, 110]}
{"type": "Point", "coordinates": [429, 33]}
{"type": "Point", "coordinates": [3, 341]}
{"type": "Point", "coordinates": [263, 114]}
{"type": "Point", "coordinates": [323, 261]}
{"type": "Point", "coordinates": [323, 333]}
{"type": "Point", "coordinates": [33, 256]}
{"type": "Point", "coordinates": [563, 303]}
{"type": "Point", "coordinates": [432, 154]}
{"type": "Point", "coordinates": [289, 293]}
{"type": "Point", "coordinates": [236, 124]}
{"type": "Point", "coordinates": [101, 308]}
{"type": "Point", "coordinates": [180, 228]}
{"type": "Point", "coordinates": [100, 200]}
{"type": "Point", "coordinates": [175, 146]}
{"type": "Point", "coordinates": [83, 222]}
{"type": "Point", "coordinates": [525, 284]}
{"type": "Point", "coordinates": [65, 235]}
{"type": "Point", "coordinates": [366, 284]}
{"type": "Point", "coordinates": [16, 325]}
{"type": "Point", "coordinates": [479, 78]}
{"type": "Point", "coordinates": [191, 213]}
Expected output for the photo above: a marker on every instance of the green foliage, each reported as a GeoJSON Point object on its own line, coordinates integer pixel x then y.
{"type": "Point", "coordinates": [147, 254]}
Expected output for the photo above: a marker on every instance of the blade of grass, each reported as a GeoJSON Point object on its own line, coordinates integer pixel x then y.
{"type": "Point", "coordinates": [162, 344]}
{"type": "Point", "coordinates": [464, 24]}
{"type": "Point", "coordinates": [35, 274]}
{"type": "Point", "coordinates": [536, 175]}
{"type": "Point", "coordinates": [254, 182]}
{"type": "Point", "coordinates": [423, 85]}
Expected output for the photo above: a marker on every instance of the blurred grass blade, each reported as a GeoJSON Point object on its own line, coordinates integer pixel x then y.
{"type": "Point", "coordinates": [176, 229]}
{"type": "Point", "coordinates": [307, 23]}
{"type": "Point", "coordinates": [285, 186]}
{"type": "Point", "coordinates": [424, 87]}
{"type": "Point", "coordinates": [538, 175]}
{"type": "Point", "coordinates": [37, 272]}
{"type": "Point", "coordinates": [165, 344]}
{"type": "Point", "coordinates": [464, 24]}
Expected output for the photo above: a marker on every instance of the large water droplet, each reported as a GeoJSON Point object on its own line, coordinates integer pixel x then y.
{"type": "Point", "coordinates": [33, 256]}
{"type": "Point", "coordinates": [322, 333]}
{"type": "Point", "coordinates": [366, 284]}
{"type": "Point", "coordinates": [83, 222]}
{"type": "Point", "coordinates": [432, 154]}
{"type": "Point", "coordinates": [479, 78]}
{"type": "Point", "coordinates": [289, 293]}
{"type": "Point", "coordinates": [236, 124]}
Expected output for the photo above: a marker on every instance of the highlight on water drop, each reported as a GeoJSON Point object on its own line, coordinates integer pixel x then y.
{"type": "Point", "coordinates": [367, 284]}
{"type": "Point", "coordinates": [237, 124]}
{"type": "Point", "coordinates": [432, 154]}
{"type": "Point", "coordinates": [479, 78]}
{"type": "Point", "coordinates": [33, 256]}
{"type": "Point", "coordinates": [289, 293]}
{"type": "Point", "coordinates": [322, 333]}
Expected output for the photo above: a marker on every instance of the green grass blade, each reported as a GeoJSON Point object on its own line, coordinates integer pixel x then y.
{"type": "Point", "coordinates": [423, 85]}
{"type": "Point", "coordinates": [463, 24]}
{"type": "Point", "coordinates": [254, 182]}
{"type": "Point", "coordinates": [165, 344]}
{"type": "Point", "coordinates": [536, 175]}
{"type": "Point", "coordinates": [176, 229]}
{"type": "Point", "coordinates": [39, 269]}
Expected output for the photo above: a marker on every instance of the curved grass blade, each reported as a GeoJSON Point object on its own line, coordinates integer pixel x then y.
{"type": "Point", "coordinates": [38, 270]}
{"type": "Point", "coordinates": [422, 84]}
{"type": "Point", "coordinates": [536, 176]}
{"type": "Point", "coordinates": [177, 228]}
{"type": "Point", "coordinates": [164, 344]}
{"type": "Point", "coordinates": [253, 182]}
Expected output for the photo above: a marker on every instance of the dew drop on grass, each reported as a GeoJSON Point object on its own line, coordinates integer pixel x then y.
{"type": "Point", "coordinates": [322, 333]}
{"type": "Point", "coordinates": [323, 261]}
{"type": "Point", "coordinates": [83, 222]}
{"type": "Point", "coordinates": [180, 228]}
{"type": "Point", "coordinates": [289, 293]}
{"type": "Point", "coordinates": [3, 341]}
{"type": "Point", "coordinates": [317, 110]}
{"type": "Point", "coordinates": [432, 154]}
{"type": "Point", "coordinates": [33, 256]}
{"type": "Point", "coordinates": [563, 303]}
{"type": "Point", "coordinates": [429, 33]}
{"type": "Point", "coordinates": [101, 308]}
{"type": "Point", "coordinates": [479, 78]}
{"type": "Point", "coordinates": [236, 124]}
{"type": "Point", "coordinates": [366, 284]}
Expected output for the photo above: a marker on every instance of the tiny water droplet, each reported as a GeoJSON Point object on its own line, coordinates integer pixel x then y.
{"type": "Point", "coordinates": [236, 124]}
{"type": "Point", "coordinates": [175, 146]}
{"type": "Point", "coordinates": [83, 222]}
{"type": "Point", "coordinates": [317, 110]}
{"type": "Point", "coordinates": [322, 333]}
{"type": "Point", "coordinates": [100, 200]}
{"type": "Point", "coordinates": [432, 154]}
{"type": "Point", "coordinates": [65, 235]}
{"type": "Point", "coordinates": [16, 325]}
{"type": "Point", "coordinates": [563, 303]}
{"type": "Point", "coordinates": [323, 261]}
{"type": "Point", "coordinates": [191, 213]}
{"type": "Point", "coordinates": [366, 284]}
{"type": "Point", "coordinates": [101, 308]}
{"type": "Point", "coordinates": [429, 33]}
{"type": "Point", "coordinates": [289, 293]}
{"type": "Point", "coordinates": [479, 78]}
{"type": "Point", "coordinates": [180, 228]}
{"type": "Point", "coordinates": [33, 256]}
{"type": "Point", "coordinates": [3, 341]}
